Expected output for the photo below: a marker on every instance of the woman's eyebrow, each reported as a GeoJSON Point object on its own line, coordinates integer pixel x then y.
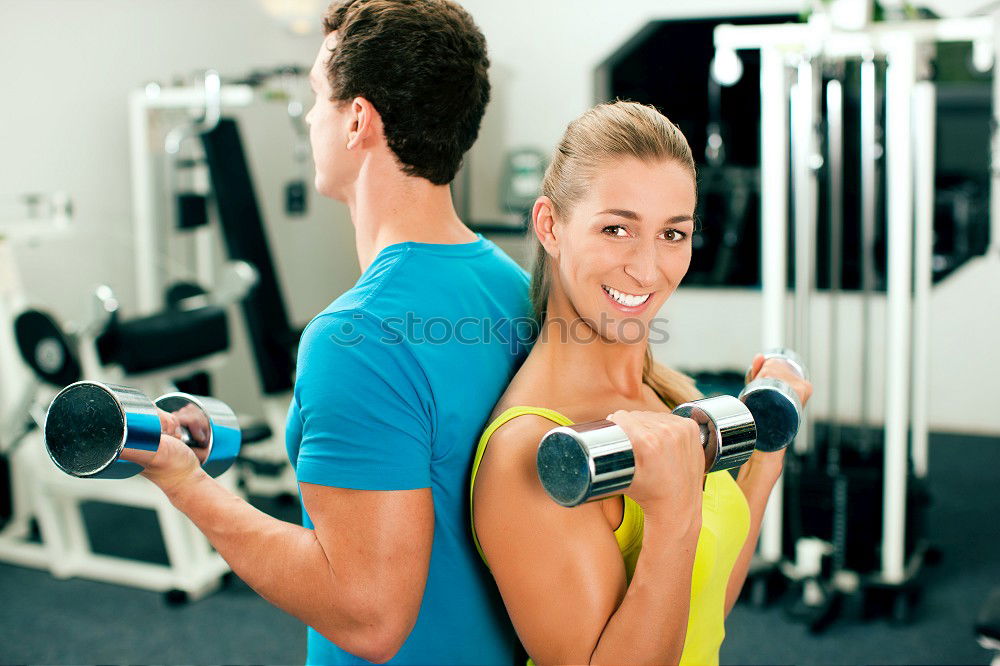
{"type": "Point", "coordinates": [620, 212]}
{"type": "Point", "coordinates": [632, 215]}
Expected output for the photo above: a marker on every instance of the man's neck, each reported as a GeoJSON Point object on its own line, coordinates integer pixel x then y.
{"type": "Point", "coordinates": [389, 207]}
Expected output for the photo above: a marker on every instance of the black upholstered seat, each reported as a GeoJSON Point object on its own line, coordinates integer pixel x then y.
{"type": "Point", "coordinates": [165, 339]}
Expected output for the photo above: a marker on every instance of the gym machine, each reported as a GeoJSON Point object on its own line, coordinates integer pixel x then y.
{"type": "Point", "coordinates": [45, 527]}
{"type": "Point", "coordinates": [795, 61]}
{"type": "Point", "coordinates": [216, 170]}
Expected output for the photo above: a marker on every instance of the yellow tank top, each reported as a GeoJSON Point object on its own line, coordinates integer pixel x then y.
{"type": "Point", "coordinates": [724, 528]}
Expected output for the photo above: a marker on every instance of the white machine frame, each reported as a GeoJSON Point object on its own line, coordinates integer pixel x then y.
{"type": "Point", "coordinates": [150, 226]}
{"type": "Point", "coordinates": [909, 150]}
{"type": "Point", "coordinates": [42, 493]}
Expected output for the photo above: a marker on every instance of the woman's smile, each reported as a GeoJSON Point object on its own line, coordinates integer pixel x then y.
{"type": "Point", "coordinates": [626, 302]}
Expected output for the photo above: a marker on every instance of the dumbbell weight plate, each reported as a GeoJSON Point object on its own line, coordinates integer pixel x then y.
{"type": "Point", "coordinates": [776, 409]}
{"type": "Point", "coordinates": [89, 424]}
{"type": "Point", "coordinates": [724, 419]}
{"type": "Point", "coordinates": [585, 462]}
{"type": "Point", "coordinates": [212, 430]}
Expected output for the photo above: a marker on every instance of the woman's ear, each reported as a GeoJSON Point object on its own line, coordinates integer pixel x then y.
{"type": "Point", "coordinates": [545, 225]}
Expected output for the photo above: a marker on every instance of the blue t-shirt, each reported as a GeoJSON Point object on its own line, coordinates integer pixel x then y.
{"type": "Point", "coordinates": [395, 382]}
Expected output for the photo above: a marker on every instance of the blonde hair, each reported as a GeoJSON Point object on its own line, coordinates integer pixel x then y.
{"type": "Point", "coordinates": [607, 132]}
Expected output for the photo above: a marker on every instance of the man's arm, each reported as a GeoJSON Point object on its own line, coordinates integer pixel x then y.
{"type": "Point", "coordinates": [357, 578]}
{"type": "Point", "coordinates": [363, 466]}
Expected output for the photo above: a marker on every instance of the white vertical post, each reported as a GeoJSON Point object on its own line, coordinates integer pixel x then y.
{"type": "Point", "coordinates": [869, 184]}
{"type": "Point", "coordinates": [995, 144]}
{"type": "Point", "coordinates": [835, 171]}
{"type": "Point", "coordinates": [143, 204]}
{"type": "Point", "coordinates": [204, 256]}
{"type": "Point", "coordinates": [149, 236]}
{"type": "Point", "coordinates": [14, 372]}
{"type": "Point", "coordinates": [774, 253]}
{"type": "Point", "coordinates": [923, 167]}
{"type": "Point", "coordinates": [899, 185]}
{"type": "Point", "coordinates": [804, 194]}
{"type": "Point", "coordinates": [205, 237]}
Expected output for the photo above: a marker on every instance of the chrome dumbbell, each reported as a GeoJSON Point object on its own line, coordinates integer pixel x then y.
{"type": "Point", "coordinates": [590, 461]}
{"type": "Point", "coordinates": [89, 424]}
{"type": "Point", "coordinates": [776, 408]}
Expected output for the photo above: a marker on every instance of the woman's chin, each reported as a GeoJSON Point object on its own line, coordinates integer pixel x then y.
{"type": "Point", "coordinates": [620, 329]}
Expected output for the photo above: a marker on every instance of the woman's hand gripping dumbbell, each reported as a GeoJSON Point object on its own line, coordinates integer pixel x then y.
{"type": "Point", "coordinates": [777, 389]}
{"type": "Point", "coordinates": [96, 430]}
{"type": "Point", "coordinates": [591, 461]}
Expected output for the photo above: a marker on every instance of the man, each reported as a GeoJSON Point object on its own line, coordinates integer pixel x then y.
{"type": "Point", "coordinates": [398, 375]}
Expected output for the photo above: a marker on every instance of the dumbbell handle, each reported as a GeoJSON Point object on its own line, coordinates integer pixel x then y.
{"type": "Point", "coordinates": [790, 357]}
{"type": "Point", "coordinates": [590, 461]}
{"type": "Point", "coordinates": [188, 438]}
{"type": "Point", "coordinates": [184, 434]}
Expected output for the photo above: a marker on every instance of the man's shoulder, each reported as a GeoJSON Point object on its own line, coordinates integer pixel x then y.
{"type": "Point", "coordinates": [414, 286]}
{"type": "Point", "coordinates": [385, 270]}
{"type": "Point", "coordinates": [418, 280]}
{"type": "Point", "coordinates": [482, 258]}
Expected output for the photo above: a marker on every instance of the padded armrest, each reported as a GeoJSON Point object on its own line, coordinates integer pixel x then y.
{"type": "Point", "coordinates": [165, 339]}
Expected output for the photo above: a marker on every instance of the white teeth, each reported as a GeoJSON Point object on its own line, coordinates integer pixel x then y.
{"type": "Point", "coordinates": [628, 300]}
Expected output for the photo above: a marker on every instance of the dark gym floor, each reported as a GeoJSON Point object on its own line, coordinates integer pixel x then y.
{"type": "Point", "coordinates": [47, 621]}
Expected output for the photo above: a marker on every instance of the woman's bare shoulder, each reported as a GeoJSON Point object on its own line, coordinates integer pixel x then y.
{"type": "Point", "coordinates": [512, 446]}
{"type": "Point", "coordinates": [529, 387]}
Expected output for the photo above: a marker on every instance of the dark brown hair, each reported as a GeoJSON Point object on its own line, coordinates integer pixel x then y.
{"type": "Point", "coordinates": [423, 66]}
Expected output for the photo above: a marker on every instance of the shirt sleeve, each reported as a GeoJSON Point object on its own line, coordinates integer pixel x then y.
{"type": "Point", "coordinates": [365, 405]}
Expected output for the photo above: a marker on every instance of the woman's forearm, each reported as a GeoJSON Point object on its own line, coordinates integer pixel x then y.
{"type": "Point", "coordinates": [650, 624]}
{"type": "Point", "coordinates": [756, 479]}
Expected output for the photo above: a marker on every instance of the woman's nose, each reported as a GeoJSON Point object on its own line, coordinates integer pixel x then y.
{"type": "Point", "coordinates": [641, 265]}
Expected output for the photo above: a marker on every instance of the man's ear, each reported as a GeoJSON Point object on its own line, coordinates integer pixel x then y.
{"type": "Point", "coordinates": [365, 123]}
{"type": "Point", "coordinates": [545, 225]}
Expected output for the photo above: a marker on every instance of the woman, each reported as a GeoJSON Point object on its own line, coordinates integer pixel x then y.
{"type": "Point", "coordinates": [648, 577]}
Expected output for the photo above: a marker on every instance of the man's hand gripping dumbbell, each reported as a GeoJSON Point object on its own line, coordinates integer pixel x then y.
{"type": "Point", "coordinates": [96, 430]}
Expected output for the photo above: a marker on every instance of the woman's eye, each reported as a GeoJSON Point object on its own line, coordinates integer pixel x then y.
{"type": "Point", "coordinates": [674, 235]}
{"type": "Point", "coordinates": [615, 230]}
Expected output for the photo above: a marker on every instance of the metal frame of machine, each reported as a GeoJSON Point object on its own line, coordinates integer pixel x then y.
{"type": "Point", "coordinates": [148, 107]}
{"type": "Point", "coordinates": [45, 496]}
{"type": "Point", "coordinates": [791, 55]}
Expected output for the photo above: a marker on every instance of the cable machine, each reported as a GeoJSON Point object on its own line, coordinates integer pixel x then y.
{"type": "Point", "coordinates": [207, 170]}
{"type": "Point", "coordinates": [803, 65]}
